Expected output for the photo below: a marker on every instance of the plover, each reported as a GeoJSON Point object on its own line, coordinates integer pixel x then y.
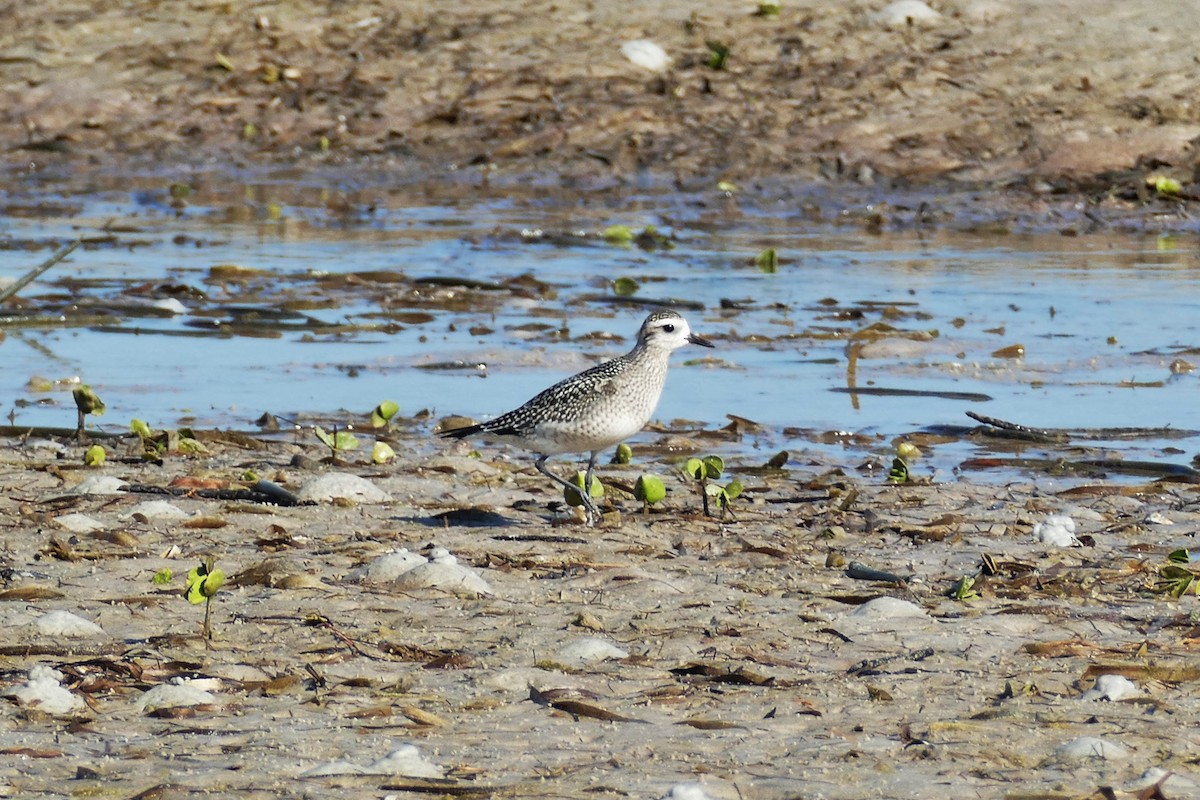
{"type": "Point", "coordinates": [596, 409]}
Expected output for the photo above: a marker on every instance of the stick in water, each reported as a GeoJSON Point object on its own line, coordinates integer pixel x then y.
{"type": "Point", "coordinates": [30, 276]}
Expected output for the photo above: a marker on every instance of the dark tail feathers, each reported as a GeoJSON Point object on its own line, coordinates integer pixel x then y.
{"type": "Point", "coordinates": [461, 433]}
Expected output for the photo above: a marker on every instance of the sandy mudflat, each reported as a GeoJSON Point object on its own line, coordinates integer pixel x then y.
{"type": "Point", "coordinates": [754, 663]}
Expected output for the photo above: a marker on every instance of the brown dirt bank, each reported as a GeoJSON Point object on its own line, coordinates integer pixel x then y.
{"type": "Point", "coordinates": [998, 91]}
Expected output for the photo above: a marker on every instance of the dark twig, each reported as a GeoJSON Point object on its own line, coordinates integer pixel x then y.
{"type": "Point", "coordinates": [32, 275]}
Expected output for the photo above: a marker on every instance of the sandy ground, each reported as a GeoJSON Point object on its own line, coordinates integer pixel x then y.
{"type": "Point", "coordinates": [1046, 96]}
{"type": "Point", "coordinates": [750, 659]}
{"type": "Point", "coordinates": [754, 663]}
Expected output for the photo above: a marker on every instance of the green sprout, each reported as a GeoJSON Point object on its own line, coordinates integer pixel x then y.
{"type": "Point", "coordinates": [718, 54]}
{"type": "Point", "coordinates": [574, 495]}
{"type": "Point", "coordinates": [617, 234]}
{"type": "Point", "coordinates": [899, 472]}
{"type": "Point", "coordinates": [382, 414]}
{"type": "Point", "coordinates": [723, 494]}
{"type": "Point", "coordinates": [1177, 581]}
{"type": "Point", "coordinates": [338, 441]}
{"type": "Point", "coordinates": [963, 589]}
{"type": "Point", "coordinates": [203, 582]}
{"type": "Point", "coordinates": [163, 577]}
{"type": "Point", "coordinates": [625, 287]}
{"type": "Point", "coordinates": [767, 260]}
{"type": "Point", "coordinates": [702, 470]}
{"type": "Point", "coordinates": [86, 402]}
{"type": "Point", "coordinates": [623, 454]}
{"type": "Point", "coordinates": [95, 456]}
{"type": "Point", "coordinates": [650, 490]}
{"type": "Point", "coordinates": [382, 453]}
{"type": "Point", "coordinates": [152, 446]}
{"type": "Point", "coordinates": [768, 8]}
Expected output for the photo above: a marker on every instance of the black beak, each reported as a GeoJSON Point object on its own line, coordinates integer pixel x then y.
{"type": "Point", "coordinates": [700, 340]}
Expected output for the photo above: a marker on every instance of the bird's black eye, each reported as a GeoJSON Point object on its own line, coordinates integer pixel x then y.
{"type": "Point", "coordinates": [669, 328]}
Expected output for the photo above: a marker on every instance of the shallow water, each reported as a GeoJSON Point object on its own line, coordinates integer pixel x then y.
{"type": "Point", "coordinates": [1101, 318]}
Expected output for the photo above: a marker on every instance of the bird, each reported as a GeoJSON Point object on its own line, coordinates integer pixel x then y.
{"type": "Point", "coordinates": [594, 409]}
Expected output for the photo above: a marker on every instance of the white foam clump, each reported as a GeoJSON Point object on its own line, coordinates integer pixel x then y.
{"type": "Point", "coordinates": [442, 571]}
{"type": "Point", "coordinates": [386, 568]}
{"type": "Point", "coordinates": [687, 791]}
{"type": "Point", "coordinates": [905, 12]}
{"type": "Point", "coordinates": [405, 760]}
{"type": "Point", "coordinates": [342, 486]}
{"type": "Point", "coordinates": [157, 509]}
{"type": "Point", "coordinates": [175, 694]}
{"type": "Point", "coordinates": [78, 523]}
{"type": "Point", "coordinates": [1088, 747]}
{"type": "Point", "coordinates": [99, 484]}
{"type": "Point", "coordinates": [44, 691]}
{"type": "Point", "coordinates": [590, 648]}
{"type": "Point", "coordinates": [1111, 687]}
{"type": "Point", "coordinates": [1056, 530]}
{"type": "Point", "coordinates": [64, 623]}
{"type": "Point", "coordinates": [888, 607]}
{"type": "Point", "coordinates": [646, 54]}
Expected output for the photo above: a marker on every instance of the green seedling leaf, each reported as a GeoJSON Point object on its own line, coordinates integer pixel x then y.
{"type": "Point", "coordinates": [733, 489]}
{"type": "Point", "coordinates": [695, 468]}
{"type": "Point", "coordinates": [623, 455]}
{"type": "Point", "coordinates": [1166, 186]}
{"type": "Point", "coordinates": [714, 466]}
{"type": "Point", "coordinates": [963, 589]}
{"type": "Point", "coordinates": [650, 239]}
{"type": "Point", "coordinates": [382, 414]}
{"type": "Point", "coordinates": [87, 401]}
{"type": "Point", "coordinates": [649, 489]}
{"type": "Point", "coordinates": [1180, 557]}
{"type": "Point", "coordinates": [768, 8]}
{"type": "Point", "coordinates": [338, 440]}
{"type": "Point", "coordinates": [191, 447]}
{"type": "Point", "coordinates": [382, 453]}
{"type": "Point", "coordinates": [574, 496]}
{"type": "Point", "coordinates": [899, 471]}
{"type": "Point", "coordinates": [908, 451]}
{"type": "Point", "coordinates": [618, 234]}
{"type": "Point", "coordinates": [141, 429]}
{"type": "Point", "coordinates": [718, 54]}
{"type": "Point", "coordinates": [625, 287]}
{"type": "Point", "coordinates": [162, 577]}
{"type": "Point", "coordinates": [728, 187]}
{"type": "Point", "coordinates": [203, 583]}
{"type": "Point", "coordinates": [95, 456]}
{"type": "Point", "coordinates": [767, 260]}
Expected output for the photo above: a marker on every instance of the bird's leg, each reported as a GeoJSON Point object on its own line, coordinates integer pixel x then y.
{"type": "Point", "coordinates": [593, 513]}
{"type": "Point", "coordinates": [587, 478]}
